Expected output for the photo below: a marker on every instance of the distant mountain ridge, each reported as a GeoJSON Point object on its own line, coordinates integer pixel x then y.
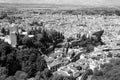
{"type": "Point", "coordinates": [64, 6]}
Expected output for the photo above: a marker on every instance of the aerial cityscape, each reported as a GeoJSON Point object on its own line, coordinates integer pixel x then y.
{"type": "Point", "coordinates": [53, 40]}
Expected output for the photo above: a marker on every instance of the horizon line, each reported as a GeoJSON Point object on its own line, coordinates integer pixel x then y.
{"type": "Point", "coordinates": [59, 4]}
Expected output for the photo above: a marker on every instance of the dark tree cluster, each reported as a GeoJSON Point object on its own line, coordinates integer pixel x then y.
{"type": "Point", "coordinates": [5, 50]}
{"type": "Point", "coordinates": [8, 58]}
{"type": "Point", "coordinates": [89, 42]}
{"type": "Point", "coordinates": [31, 61]}
{"type": "Point", "coordinates": [94, 39]}
{"type": "Point", "coordinates": [42, 40]}
{"type": "Point", "coordinates": [109, 71]}
{"type": "Point", "coordinates": [28, 61]}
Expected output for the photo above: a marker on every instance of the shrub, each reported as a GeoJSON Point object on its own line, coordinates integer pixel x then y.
{"type": "Point", "coordinates": [12, 64]}
{"type": "Point", "coordinates": [5, 48]}
{"type": "Point", "coordinates": [55, 37]}
{"type": "Point", "coordinates": [20, 75]}
{"type": "Point", "coordinates": [29, 42]}
{"type": "Point", "coordinates": [98, 72]}
{"type": "Point", "coordinates": [10, 78]}
{"type": "Point", "coordinates": [3, 73]}
{"type": "Point", "coordinates": [40, 64]}
{"type": "Point", "coordinates": [45, 75]}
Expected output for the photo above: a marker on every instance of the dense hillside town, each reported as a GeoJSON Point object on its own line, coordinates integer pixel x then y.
{"type": "Point", "coordinates": [50, 44]}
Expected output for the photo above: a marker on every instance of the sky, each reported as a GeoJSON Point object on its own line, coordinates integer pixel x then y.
{"type": "Point", "coordinates": [74, 2]}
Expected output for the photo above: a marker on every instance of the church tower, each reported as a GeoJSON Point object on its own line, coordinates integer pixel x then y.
{"type": "Point", "coordinates": [13, 34]}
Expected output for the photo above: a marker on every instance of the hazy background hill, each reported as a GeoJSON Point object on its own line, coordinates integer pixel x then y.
{"type": "Point", "coordinates": [54, 6]}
